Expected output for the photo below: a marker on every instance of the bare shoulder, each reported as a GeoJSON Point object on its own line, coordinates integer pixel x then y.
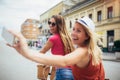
{"type": "Point", "coordinates": [81, 50]}
{"type": "Point", "coordinates": [80, 53]}
{"type": "Point", "coordinates": [83, 57]}
{"type": "Point", "coordinates": [77, 56]}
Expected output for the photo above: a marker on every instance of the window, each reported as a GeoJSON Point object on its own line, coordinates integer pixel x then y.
{"type": "Point", "coordinates": [90, 16]}
{"type": "Point", "coordinates": [76, 19]}
{"type": "Point", "coordinates": [45, 31]}
{"type": "Point", "coordinates": [109, 12]}
{"type": "Point", "coordinates": [70, 24]}
{"type": "Point", "coordinates": [59, 13]}
{"type": "Point", "coordinates": [99, 16]}
{"type": "Point", "coordinates": [82, 16]}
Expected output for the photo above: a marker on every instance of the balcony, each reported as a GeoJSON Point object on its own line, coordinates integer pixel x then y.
{"type": "Point", "coordinates": [108, 21]}
{"type": "Point", "coordinates": [78, 6]}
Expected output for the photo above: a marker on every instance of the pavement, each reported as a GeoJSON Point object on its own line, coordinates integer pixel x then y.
{"type": "Point", "coordinates": [110, 57]}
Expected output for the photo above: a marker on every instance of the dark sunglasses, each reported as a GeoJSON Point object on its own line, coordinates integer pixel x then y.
{"type": "Point", "coordinates": [51, 23]}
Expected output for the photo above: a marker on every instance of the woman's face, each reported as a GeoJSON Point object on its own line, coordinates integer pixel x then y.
{"type": "Point", "coordinates": [78, 34]}
{"type": "Point", "coordinates": [52, 25]}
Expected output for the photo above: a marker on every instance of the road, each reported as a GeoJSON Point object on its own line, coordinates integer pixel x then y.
{"type": "Point", "coordinates": [112, 70]}
{"type": "Point", "coordinates": [15, 67]}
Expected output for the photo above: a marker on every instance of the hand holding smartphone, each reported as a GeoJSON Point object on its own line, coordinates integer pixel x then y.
{"type": "Point", "coordinates": [8, 37]}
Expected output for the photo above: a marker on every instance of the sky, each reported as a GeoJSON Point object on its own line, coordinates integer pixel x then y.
{"type": "Point", "coordinates": [14, 12]}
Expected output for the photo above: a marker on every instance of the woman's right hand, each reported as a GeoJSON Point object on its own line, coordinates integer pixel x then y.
{"type": "Point", "coordinates": [20, 45]}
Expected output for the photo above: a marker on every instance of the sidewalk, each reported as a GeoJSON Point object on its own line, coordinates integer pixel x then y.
{"type": "Point", "coordinates": [110, 57]}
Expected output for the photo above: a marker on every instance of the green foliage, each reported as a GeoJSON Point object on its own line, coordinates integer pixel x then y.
{"type": "Point", "coordinates": [117, 45]}
{"type": "Point", "coordinates": [29, 43]}
{"type": "Point", "coordinates": [105, 49]}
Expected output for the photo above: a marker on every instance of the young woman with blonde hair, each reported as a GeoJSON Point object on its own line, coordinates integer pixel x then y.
{"type": "Point", "coordinates": [86, 60]}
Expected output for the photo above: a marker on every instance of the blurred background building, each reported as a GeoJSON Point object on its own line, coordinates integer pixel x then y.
{"type": "Point", "coordinates": [31, 30]}
{"type": "Point", "coordinates": [104, 13]}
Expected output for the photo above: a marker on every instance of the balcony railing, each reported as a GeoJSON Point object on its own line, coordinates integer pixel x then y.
{"type": "Point", "coordinates": [79, 6]}
{"type": "Point", "coordinates": [108, 21]}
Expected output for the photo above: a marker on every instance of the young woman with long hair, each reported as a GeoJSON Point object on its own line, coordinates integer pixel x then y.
{"type": "Point", "coordinates": [60, 43]}
{"type": "Point", "coordinates": [86, 60]}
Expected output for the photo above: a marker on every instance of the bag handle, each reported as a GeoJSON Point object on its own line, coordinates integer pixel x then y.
{"type": "Point", "coordinates": [49, 74]}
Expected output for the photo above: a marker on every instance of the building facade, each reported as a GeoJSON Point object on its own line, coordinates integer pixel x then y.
{"type": "Point", "coordinates": [105, 14]}
{"type": "Point", "coordinates": [57, 9]}
{"type": "Point", "coordinates": [30, 29]}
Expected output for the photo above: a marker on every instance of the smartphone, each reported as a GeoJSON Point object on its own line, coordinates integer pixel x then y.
{"type": "Point", "coordinates": [8, 37]}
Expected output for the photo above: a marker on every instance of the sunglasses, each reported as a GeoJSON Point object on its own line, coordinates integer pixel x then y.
{"type": "Point", "coordinates": [51, 23]}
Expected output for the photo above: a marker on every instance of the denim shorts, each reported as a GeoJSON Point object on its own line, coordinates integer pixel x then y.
{"type": "Point", "coordinates": [64, 74]}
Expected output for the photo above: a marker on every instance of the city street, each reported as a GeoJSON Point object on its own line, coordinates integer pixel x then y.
{"type": "Point", "coordinates": [112, 70]}
{"type": "Point", "coordinates": [14, 67]}
{"type": "Point", "coordinates": [37, 20]}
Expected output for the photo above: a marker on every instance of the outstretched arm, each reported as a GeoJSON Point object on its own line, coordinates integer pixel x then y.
{"type": "Point", "coordinates": [54, 60]}
{"type": "Point", "coordinates": [22, 48]}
